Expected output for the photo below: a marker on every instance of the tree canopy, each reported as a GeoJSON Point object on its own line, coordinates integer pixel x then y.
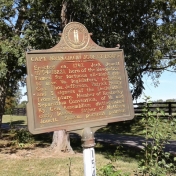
{"type": "Point", "coordinates": [145, 29]}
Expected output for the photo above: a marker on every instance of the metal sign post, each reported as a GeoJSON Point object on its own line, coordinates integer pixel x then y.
{"type": "Point", "coordinates": [88, 152]}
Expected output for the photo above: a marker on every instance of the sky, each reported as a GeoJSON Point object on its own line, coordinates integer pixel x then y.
{"type": "Point", "coordinates": [165, 90]}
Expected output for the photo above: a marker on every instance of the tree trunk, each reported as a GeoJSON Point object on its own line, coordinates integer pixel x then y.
{"type": "Point", "coordinates": [1, 124]}
{"type": "Point", "coordinates": [2, 106]}
{"type": "Point", "coordinates": [61, 142]}
{"type": "Point", "coordinates": [61, 139]}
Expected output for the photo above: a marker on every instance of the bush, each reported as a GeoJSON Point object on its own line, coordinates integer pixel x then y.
{"type": "Point", "coordinates": [158, 132]}
{"type": "Point", "coordinates": [110, 170]}
{"type": "Point", "coordinates": [22, 136]}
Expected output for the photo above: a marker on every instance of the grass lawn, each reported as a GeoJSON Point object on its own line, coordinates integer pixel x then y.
{"type": "Point", "coordinates": [39, 160]}
{"type": "Point", "coordinates": [57, 166]}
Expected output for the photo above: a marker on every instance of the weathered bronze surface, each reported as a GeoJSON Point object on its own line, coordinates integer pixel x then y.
{"type": "Point", "coordinates": [76, 84]}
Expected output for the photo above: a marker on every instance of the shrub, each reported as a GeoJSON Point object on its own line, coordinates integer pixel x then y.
{"type": "Point", "coordinates": [110, 170]}
{"type": "Point", "coordinates": [22, 137]}
{"type": "Point", "coordinates": [158, 131]}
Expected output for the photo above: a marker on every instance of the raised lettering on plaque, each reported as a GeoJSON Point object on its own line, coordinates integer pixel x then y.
{"type": "Point", "coordinates": [76, 84]}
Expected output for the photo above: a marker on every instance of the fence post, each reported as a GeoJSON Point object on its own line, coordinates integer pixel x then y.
{"type": "Point", "coordinates": [170, 108]}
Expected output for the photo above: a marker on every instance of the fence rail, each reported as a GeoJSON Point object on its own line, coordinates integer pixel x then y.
{"type": "Point", "coordinates": [167, 107]}
{"type": "Point", "coordinates": [19, 111]}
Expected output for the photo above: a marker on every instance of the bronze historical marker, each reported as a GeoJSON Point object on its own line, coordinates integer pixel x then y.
{"type": "Point", "coordinates": [76, 84]}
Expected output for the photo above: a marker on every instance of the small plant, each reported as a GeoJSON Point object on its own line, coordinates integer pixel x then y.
{"type": "Point", "coordinates": [155, 161]}
{"type": "Point", "coordinates": [116, 154]}
{"type": "Point", "coordinates": [110, 170]}
{"type": "Point", "coordinates": [23, 137]}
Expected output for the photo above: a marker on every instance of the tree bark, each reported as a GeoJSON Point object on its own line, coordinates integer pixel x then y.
{"type": "Point", "coordinates": [61, 139]}
{"type": "Point", "coordinates": [61, 142]}
{"type": "Point", "coordinates": [1, 124]}
{"type": "Point", "coordinates": [64, 18]}
{"type": "Point", "coordinates": [2, 106]}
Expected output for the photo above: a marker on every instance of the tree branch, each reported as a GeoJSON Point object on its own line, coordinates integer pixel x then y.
{"type": "Point", "coordinates": [63, 14]}
{"type": "Point", "coordinates": [159, 68]}
{"type": "Point", "coordinates": [51, 37]}
{"type": "Point", "coordinates": [21, 18]}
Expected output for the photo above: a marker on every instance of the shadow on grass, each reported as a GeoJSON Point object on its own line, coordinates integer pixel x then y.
{"type": "Point", "coordinates": [109, 151]}
{"type": "Point", "coordinates": [9, 139]}
{"type": "Point", "coordinates": [132, 127]}
{"type": "Point", "coordinates": [13, 124]}
{"type": "Point", "coordinates": [118, 152]}
{"type": "Point", "coordinates": [76, 144]}
{"type": "Point", "coordinates": [43, 140]}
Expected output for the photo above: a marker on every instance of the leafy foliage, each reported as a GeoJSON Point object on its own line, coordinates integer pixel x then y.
{"type": "Point", "coordinates": [22, 104]}
{"type": "Point", "coordinates": [156, 162]}
{"type": "Point", "coordinates": [12, 101]}
{"type": "Point", "coordinates": [153, 160]}
{"type": "Point", "coordinates": [9, 104]}
{"type": "Point", "coordinates": [109, 170]}
{"type": "Point", "coordinates": [22, 137]}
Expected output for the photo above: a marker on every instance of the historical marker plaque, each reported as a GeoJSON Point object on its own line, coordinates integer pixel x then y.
{"type": "Point", "coordinates": [76, 84]}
